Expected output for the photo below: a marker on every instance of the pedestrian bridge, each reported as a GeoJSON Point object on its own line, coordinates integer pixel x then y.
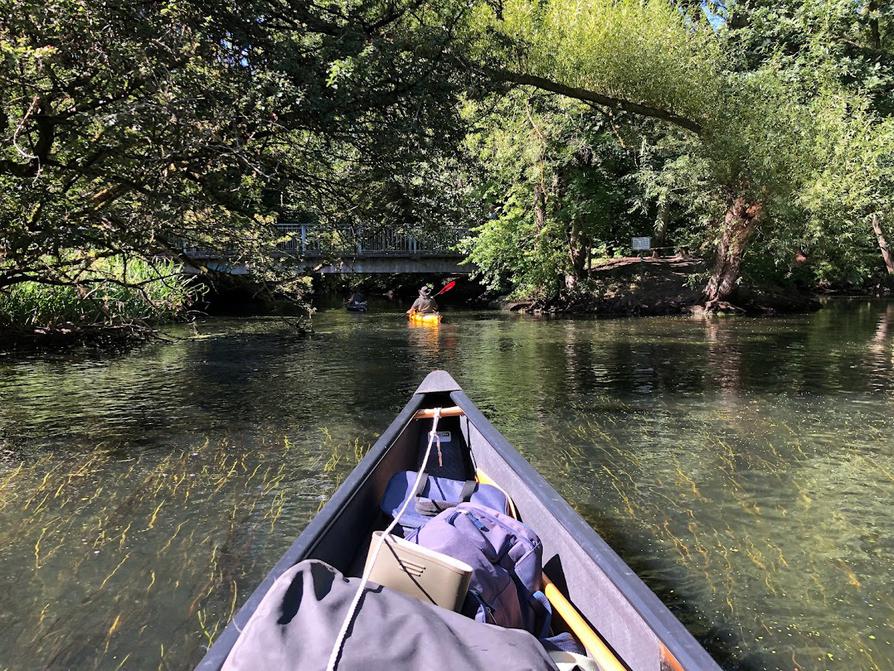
{"type": "Point", "coordinates": [313, 248]}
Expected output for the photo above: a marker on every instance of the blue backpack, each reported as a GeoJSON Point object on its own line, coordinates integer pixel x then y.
{"type": "Point", "coordinates": [435, 495]}
{"type": "Point", "coordinates": [506, 558]}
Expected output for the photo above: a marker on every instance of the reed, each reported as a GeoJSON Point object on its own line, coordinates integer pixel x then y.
{"type": "Point", "coordinates": [721, 511]}
{"type": "Point", "coordinates": [112, 292]}
{"type": "Point", "coordinates": [154, 568]}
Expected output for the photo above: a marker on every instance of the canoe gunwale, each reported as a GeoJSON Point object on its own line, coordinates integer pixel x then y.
{"type": "Point", "coordinates": [687, 651]}
{"type": "Point", "coordinates": [313, 533]}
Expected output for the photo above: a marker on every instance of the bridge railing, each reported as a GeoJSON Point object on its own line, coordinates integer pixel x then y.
{"type": "Point", "coordinates": [312, 241]}
{"type": "Point", "coordinates": [309, 240]}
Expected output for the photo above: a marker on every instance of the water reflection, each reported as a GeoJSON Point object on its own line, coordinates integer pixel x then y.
{"type": "Point", "coordinates": [880, 348]}
{"type": "Point", "coordinates": [743, 467]}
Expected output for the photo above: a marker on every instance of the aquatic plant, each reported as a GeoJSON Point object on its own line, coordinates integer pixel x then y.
{"type": "Point", "coordinates": [158, 568]}
{"type": "Point", "coordinates": [726, 508]}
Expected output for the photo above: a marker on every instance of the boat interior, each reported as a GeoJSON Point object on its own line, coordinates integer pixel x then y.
{"type": "Point", "coordinates": [471, 456]}
{"type": "Point", "coordinates": [624, 625]}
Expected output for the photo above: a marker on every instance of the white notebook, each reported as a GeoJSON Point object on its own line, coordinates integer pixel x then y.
{"type": "Point", "coordinates": [430, 576]}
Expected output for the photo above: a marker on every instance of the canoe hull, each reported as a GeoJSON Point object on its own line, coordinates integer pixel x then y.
{"type": "Point", "coordinates": [615, 602]}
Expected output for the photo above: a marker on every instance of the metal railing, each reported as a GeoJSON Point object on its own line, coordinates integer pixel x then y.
{"type": "Point", "coordinates": [309, 240]}
{"type": "Point", "coordinates": [314, 241]}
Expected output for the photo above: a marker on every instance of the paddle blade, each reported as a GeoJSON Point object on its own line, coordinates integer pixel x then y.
{"type": "Point", "coordinates": [447, 287]}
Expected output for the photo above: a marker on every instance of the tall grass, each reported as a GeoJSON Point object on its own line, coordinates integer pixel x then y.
{"type": "Point", "coordinates": [114, 292]}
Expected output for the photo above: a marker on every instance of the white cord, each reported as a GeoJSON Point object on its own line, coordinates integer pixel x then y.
{"type": "Point", "coordinates": [352, 609]}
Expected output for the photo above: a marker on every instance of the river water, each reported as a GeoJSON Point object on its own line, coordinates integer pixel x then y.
{"type": "Point", "coordinates": [743, 467]}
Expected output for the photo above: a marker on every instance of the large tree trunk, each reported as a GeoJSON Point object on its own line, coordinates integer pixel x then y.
{"type": "Point", "coordinates": [883, 244]}
{"type": "Point", "coordinates": [577, 255]}
{"type": "Point", "coordinates": [739, 224]}
{"type": "Point", "coordinates": [870, 11]}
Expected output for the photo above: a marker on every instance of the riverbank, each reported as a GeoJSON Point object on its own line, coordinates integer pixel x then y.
{"type": "Point", "coordinates": [121, 313]}
{"type": "Point", "coordinates": [113, 306]}
{"type": "Point", "coordinates": [69, 335]}
{"type": "Point", "coordinates": [625, 287]}
{"type": "Point", "coordinates": [641, 287]}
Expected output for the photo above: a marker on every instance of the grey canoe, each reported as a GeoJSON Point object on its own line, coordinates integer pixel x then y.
{"type": "Point", "coordinates": [627, 615]}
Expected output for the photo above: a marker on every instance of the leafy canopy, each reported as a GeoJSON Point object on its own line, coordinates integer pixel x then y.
{"type": "Point", "coordinates": [643, 51]}
{"type": "Point", "coordinates": [130, 129]}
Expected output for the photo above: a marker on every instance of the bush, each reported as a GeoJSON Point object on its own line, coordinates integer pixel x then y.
{"type": "Point", "coordinates": [113, 293]}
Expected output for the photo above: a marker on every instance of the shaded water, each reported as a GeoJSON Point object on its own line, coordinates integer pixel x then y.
{"type": "Point", "coordinates": [743, 467]}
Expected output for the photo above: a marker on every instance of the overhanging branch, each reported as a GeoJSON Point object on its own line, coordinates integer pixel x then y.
{"type": "Point", "coordinates": [593, 97]}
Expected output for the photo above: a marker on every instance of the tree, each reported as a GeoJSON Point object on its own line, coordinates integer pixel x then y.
{"type": "Point", "coordinates": [852, 194]}
{"type": "Point", "coordinates": [130, 130]}
{"type": "Point", "coordinates": [133, 129]}
{"type": "Point", "coordinates": [750, 129]}
{"type": "Point", "coordinates": [844, 48]}
{"type": "Point", "coordinates": [554, 182]}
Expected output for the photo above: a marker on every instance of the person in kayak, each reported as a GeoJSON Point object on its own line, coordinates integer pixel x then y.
{"type": "Point", "coordinates": [357, 298]}
{"type": "Point", "coordinates": [425, 304]}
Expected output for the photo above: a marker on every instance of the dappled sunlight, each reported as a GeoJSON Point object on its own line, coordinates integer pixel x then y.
{"type": "Point", "coordinates": [741, 467]}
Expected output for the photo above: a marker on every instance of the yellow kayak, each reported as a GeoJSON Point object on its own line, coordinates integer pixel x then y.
{"type": "Point", "coordinates": [425, 317]}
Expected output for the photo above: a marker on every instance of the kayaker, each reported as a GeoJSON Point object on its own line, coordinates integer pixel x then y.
{"type": "Point", "coordinates": [357, 298]}
{"type": "Point", "coordinates": [425, 304]}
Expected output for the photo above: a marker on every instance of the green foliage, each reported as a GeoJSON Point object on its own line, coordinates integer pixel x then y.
{"type": "Point", "coordinates": [553, 182]}
{"type": "Point", "coordinates": [840, 52]}
{"type": "Point", "coordinates": [789, 100]}
{"type": "Point", "coordinates": [644, 51]}
{"type": "Point", "coordinates": [676, 189]}
{"type": "Point", "coordinates": [131, 129]}
{"type": "Point", "coordinates": [847, 42]}
{"type": "Point", "coordinates": [511, 254]}
{"type": "Point", "coordinates": [855, 181]}
{"type": "Point", "coordinates": [112, 293]}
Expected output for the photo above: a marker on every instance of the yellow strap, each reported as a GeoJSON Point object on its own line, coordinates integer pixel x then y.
{"type": "Point", "coordinates": [485, 479]}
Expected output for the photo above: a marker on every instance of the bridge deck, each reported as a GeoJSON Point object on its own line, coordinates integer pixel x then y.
{"type": "Point", "coordinates": [308, 241]}
{"type": "Point", "coordinates": [349, 250]}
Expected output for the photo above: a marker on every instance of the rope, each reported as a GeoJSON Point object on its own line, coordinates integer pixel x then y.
{"type": "Point", "coordinates": [352, 609]}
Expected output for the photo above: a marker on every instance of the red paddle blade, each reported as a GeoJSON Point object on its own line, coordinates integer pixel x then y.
{"type": "Point", "coordinates": [447, 287]}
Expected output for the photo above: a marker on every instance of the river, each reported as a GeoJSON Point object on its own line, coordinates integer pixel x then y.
{"type": "Point", "coordinates": [743, 467]}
